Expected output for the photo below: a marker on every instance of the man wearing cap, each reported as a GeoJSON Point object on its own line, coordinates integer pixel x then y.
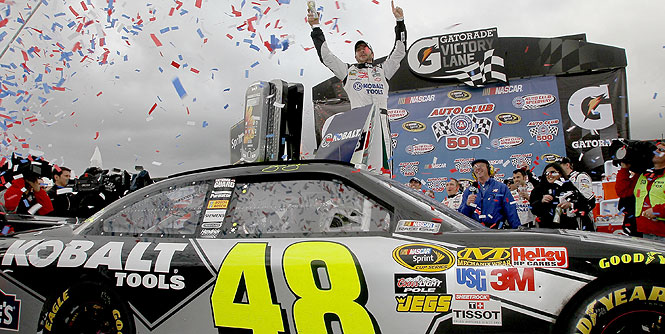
{"type": "Point", "coordinates": [489, 201]}
{"type": "Point", "coordinates": [415, 183]}
{"type": "Point", "coordinates": [365, 82]}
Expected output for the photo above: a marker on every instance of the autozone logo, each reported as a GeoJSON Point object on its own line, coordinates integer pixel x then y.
{"type": "Point", "coordinates": [419, 149]}
{"type": "Point", "coordinates": [416, 99]}
{"type": "Point", "coordinates": [397, 114]}
{"type": "Point", "coordinates": [539, 257]}
{"type": "Point", "coordinates": [331, 138]}
{"type": "Point", "coordinates": [456, 110]}
{"type": "Point", "coordinates": [502, 90]}
{"type": "Point", "coordinates": [483, 256]}
{"type": "Point", "coordinates": [534, 101]}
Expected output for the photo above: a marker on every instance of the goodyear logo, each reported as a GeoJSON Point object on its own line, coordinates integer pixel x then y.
{"type": "Point", "coordinates": [459, 95]}
{"type": "Point", "coordinates": [423, 257]}
{"type": "Point", "coordinates": [508, 118]}
{"type": "Point", "coordinates": [218, 204]}
{"type": "Point", "coordinates": [414, 126]}
{"type": "Point", "coordinates": [483, 256]}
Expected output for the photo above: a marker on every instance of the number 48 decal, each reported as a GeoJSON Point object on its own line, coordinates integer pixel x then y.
{"type": "Point", "coordinates": [248, 263]}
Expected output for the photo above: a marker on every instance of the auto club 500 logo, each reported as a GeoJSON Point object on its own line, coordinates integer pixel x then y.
{"type": "Point", "coordinates": [423, 257]}
{"type": "Point", "coordinates": [419, 149]}
{"type": "Point", "coordinates": [544, 130]}
{"type": "Point", "coordinates": [409, 168]}
{"type": "Point", "coordinates": [462, 131]}
{"type": "Point", "coordinates": [533, 101]}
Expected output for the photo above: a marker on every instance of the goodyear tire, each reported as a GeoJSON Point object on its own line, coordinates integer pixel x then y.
{"type": "Point", "coordinates": [87, 307]}
{"type": "Point", "coordinates": [633, 307]}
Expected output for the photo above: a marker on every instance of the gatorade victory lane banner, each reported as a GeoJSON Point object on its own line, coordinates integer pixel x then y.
{"type": "Point", "coordinates": [438, 133]}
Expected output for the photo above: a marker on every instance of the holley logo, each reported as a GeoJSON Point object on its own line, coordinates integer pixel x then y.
{"type": "Point", "coordinates": [539, 257]}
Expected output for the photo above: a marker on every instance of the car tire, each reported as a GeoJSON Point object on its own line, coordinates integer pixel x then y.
{"type": "Point", "coordinates": [87, 307]}
{"type": "Point", "coordinates": [632, 307]}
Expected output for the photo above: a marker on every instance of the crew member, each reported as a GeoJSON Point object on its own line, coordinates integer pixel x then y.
{"type": "Point", "coordinates": [366, 83]}
{"type": "Point", "coordinates": [521, 194]}
{"type": "Point", "coordinates": [582, 181]}
{"type": "Point", "coordinates": [61, 195]}
{"type": "Point", "coordinates": [489, 201]}
{"type": "Point", "coordinates": [649, 191]}
{"type": "Point", "coordinates": [453, 199]}
{"type": "Point", "coordinates": [26, 196]}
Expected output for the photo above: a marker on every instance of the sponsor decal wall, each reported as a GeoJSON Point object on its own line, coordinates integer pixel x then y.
{"type": "Point", "coordinates": [439, 132]}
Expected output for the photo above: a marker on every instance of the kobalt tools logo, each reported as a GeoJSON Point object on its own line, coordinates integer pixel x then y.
{"type": "Point", "coordinates": [331, 138]}
{"type": "Point", "coordinates": [590, 108]}
{"type": "Point", "coordinates": [423, 283]}
{"type": "Point", "coordinates": [370, 88]}
{"type": "Point", "coordinates": [40, 254]}
{"type": "Point", "coordinates": [397, 114]}
{"type": "Point", "coordinates": [459, 95]}
{"type": "Point", "coordinates": [502, 90]}
{"type": "Point", "coordinates": [416, 99]}
{"type": "Point", "coordinates": [422, 257]}
{"type": "Point", "coordinates": [10, 310]}
{"type": "Point", "coordinates": [419, 149]}
{"type": "Point", "coordinates": [540, 257]}
{"type": "Point", "coordinates": [534, 101]}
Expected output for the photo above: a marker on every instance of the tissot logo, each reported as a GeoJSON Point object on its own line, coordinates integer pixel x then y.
{"type": "Point", "coordinates": [590, 108]}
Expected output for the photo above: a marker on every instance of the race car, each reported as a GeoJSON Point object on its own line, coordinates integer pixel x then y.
{"type": "Point", "coordinates": [318, 247]}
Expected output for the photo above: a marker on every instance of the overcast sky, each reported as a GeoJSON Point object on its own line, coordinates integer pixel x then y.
{"type": "Point", "coordinates": [104, 95]}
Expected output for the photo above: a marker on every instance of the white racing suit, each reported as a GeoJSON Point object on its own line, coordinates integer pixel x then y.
{"type": "Point", "coordinates": [367, 84]}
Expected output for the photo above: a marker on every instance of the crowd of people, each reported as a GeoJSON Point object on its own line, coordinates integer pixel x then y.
{"type": "Point", "coordinates": [560, 198]}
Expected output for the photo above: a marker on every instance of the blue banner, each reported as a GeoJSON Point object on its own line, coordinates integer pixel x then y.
{"type": "Point", "coordinates": [437, 133]}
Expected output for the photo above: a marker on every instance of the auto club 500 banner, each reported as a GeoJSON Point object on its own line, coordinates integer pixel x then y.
{"type": "Point", "coordinates": [437, 133]}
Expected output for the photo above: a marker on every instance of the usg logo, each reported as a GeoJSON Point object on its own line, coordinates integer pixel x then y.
{"type": "Point", "coordinates": [459, 95]}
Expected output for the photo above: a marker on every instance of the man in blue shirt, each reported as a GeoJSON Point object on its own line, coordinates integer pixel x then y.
{"type": "Point", "coordinates": [489, 201]}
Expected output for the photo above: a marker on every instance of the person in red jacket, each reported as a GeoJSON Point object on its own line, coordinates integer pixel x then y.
{"type": "Point", "coordinates": [649, 191]}
{"type": "Point", "coordinates": [26, 196]}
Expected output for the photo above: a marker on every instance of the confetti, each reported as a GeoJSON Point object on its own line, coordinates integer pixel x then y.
{"type": "Point", "coordinates": [178, 87]}
{"type": "Point", "coordinates": [156, 40]}
{"type": "Point", "coordinates": [96, 135]}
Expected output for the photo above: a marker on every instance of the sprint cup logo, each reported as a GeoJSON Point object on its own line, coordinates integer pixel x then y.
{"type": "Point", "coordinates": [508, 118]}
{"type": "Point", "coordinates": [459, 95]}
{"type": "Point", "coordinates": [397, 114]}
{"type": "Point", "coordinates": [331, 138]}
{"type": "Point", "coordinates": [550, 157]}
{"type": "Point", "coordinates": [419, 149]}
{"type": "Point", "coordinates": [414, 126]}
{"type": "Point", "coordinates": [424, 258]}
{"type": "Point", "coordinates": [417, 99]}
{"type": "Point", "coordinates": [409, 168]}
{"type": "Point", "coordinates": [534, 101]}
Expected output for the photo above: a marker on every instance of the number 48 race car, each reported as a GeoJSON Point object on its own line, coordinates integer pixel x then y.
{"type": "Point", "coordinates": [318, 247]}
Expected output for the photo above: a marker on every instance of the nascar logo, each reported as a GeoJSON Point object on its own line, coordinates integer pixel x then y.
{"type": "Point", "coordinates": [502, 90]}
{"type": "Point", "coordinates": [416, 99]}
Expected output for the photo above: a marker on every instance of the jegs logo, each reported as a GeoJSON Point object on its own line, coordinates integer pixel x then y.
{"type": "Point", "coordinates": [544, 130]}
{"type": "Point", "coordinates": [397, 114]}
{"type": "Point", "coordinates": [462, 131]}
{"type": "Point", "coordinates": [533, 101]}
{"type": "Point", "coordinates": [409, 168]}
{"type": "Point", "coordinates": [507, 142]}
{"type": "Point", "coordinates": [419, 149]}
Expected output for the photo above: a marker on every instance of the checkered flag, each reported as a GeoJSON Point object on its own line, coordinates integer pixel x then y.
{"type": "Point", "coordinates": [479, 73]}
{"type": "Point", "coordinates": [533, 132]}
{"type": "Point", "coordinates": [482, 125]}
{"type": "Point", "coordinates": [442, 128]}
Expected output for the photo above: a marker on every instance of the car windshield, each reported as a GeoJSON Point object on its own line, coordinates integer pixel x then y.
{"type": "Point", "coordinates": [450, 216]}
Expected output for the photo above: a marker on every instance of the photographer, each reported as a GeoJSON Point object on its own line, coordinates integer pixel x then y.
{"type": "Point", "coordinates": [26, 196]}
{"type": "Point", "coordinates": [61, 195]}
{"type": "Point", "coordinates": [648, 188]}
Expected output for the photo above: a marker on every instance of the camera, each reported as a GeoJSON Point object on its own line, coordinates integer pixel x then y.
{"type": "Point", "coordinates": [32, 166]}
{"type": "Point", "coordinates": [638, 154]}
{"type": "Point", "coordinates": [96, 188]}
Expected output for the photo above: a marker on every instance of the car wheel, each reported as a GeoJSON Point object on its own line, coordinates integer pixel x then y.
{"type": "Point", "coordinates": [87, 307]}
{"type": "Point", "coordinates": [627, 308]}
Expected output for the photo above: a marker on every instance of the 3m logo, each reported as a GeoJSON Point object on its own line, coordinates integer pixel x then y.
{"type": "Point", "coordinates": [484, 256]}
{"type": "Point", "coordinates": [511, 280]}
